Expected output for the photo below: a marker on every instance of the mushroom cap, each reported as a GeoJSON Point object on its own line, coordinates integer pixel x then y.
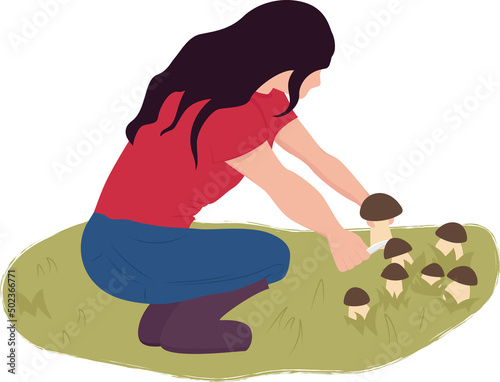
{"type": "Point", "coordinates": [463, 275]}
{"type": "Point", "coordinates": [452, 232]}
{"type": "Point", "coordinates": [396, 247]}
{"type": "Point", "coordinates": [394, 272]}
{"type": "Point", "coordinates": [433, 270]}
{"type": "Point", "coordinates": [379, 207]}
{"type": "Point", "coordinates": [356, 297]}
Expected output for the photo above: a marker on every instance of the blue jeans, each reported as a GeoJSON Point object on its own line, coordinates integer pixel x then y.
{"type": "Point", "coordinates": [158, 265]}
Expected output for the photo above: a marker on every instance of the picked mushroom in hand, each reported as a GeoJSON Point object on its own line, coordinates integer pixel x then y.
{"type": "Point", "coordinates": [379, 211]}
{"type": "Point", "coordinates": [397, 250]}
{"type": "Point", "coordinates": [432, 273]}
{"type": "Point", "coordinates": [462, 279]}
{"type": "Point", "coordinates": [451, 236]}
{"type": "Point", "coordinates": [394, 274]}
{"type": "Point", "coordinates": [357, 300]}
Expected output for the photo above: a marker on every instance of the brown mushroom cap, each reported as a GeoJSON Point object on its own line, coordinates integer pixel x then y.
{"type": "Point", "coordinates": [452, 232]}
{"type": "Point", "coordinates": [396, 247]}
{"type": "Point", "coordinates": [394, 272]}
{"type": "Point", "coordinates": [379, 207]}
{"type": "Point", "coordinates": [356, 297]}
{"type": "Point", "coordinates": [433, 270]}
{"type": "Point", "coordinates": [463, 275]}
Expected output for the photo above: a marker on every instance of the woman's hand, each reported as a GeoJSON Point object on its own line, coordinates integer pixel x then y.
{"type": "Point", "coordinates": [348, 249]}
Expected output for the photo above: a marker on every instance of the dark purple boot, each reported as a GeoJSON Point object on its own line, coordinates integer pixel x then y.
{"type": "Point", "coordinates": [152, 322]}
{"type": "Point", "coordinates": [195, 326]}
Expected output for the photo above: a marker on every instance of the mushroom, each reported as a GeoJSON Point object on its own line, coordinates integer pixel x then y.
{"type": "Point", "coordinates": [432, 273]}
{"type": "Point", "coordinates": [394, 274]}
{"type": "Point", "coordinates": [397, 251]}
{"type": "Point", "coordinates": [451, 236]}
{"type": "Point", "coordinates": [357, 300]}
{"type": "Point", "coordinates": [463, 278]}
{"type": "Point", "coordinates": [379, 211]}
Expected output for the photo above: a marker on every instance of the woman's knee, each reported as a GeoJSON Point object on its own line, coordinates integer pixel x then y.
{"type": "Point", "coordinates": [276, 251]}
{"type": "Point", "coordinates": [282, 251]}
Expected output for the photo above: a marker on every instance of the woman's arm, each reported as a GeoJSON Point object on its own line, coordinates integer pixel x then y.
{"type": "Point", "coordinates": [295, 139]}
{"type": "Point", "coordinates": [301, 202]}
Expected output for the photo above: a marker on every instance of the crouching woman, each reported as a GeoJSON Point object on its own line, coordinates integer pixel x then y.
{"type": "Point", "coordinates": [210, 119]}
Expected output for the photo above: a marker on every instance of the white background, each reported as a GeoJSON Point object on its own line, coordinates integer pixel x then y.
{"type": "Point", "coordinates": [371, 107]}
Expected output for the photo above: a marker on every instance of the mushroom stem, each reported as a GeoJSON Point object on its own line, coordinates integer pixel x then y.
{"type": "Point", "coordinates": [402, 258]}
{"type": "Point", "coordinates": [445, 246]}
{"type": "Point", "coordinates": [380, 231]}
{"type": "Point", "coordinates": [460, 292]}
{"type": "Point", "coordinates": [430, 279]}
{"type": "Point", "coordinates": [459, 250]}
{"type": "Point", "coordinates": [361, 310]}
{"type": "Point", "coordinates": [394, 287]}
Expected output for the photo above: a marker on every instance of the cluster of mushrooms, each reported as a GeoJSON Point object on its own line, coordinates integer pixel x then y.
{"type": "Point", "coordinates": [379, 211]}
{"type": "Point", "coordinates": [451, 237]}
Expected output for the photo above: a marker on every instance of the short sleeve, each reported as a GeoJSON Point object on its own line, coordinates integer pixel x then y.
{"type": "Point", "coordinates": [232, 132]}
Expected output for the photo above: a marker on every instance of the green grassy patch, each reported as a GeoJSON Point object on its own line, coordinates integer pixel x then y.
{"type": "Point", "coordinates": [299, 323]}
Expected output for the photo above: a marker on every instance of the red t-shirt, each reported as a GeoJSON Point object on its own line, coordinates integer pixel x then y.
{"type": "Point", "coordinates": [155, 182]}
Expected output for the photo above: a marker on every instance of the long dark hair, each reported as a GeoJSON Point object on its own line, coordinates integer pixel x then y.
{"type": "Point", "coordinates": [227, 66]}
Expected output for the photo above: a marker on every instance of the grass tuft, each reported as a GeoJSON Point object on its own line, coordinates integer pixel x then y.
{"type": "Point", "coordinates": [81, 315]}
{"type": "Point", "coordinates": [319, 287]}
{"type": "Point", "coordinates": [279, 317]}
{"type": "Point", "coordinates": [299, 336]}
{"type": "Point", "coordinates": [51, 263]}
{"type": "Point", "coordinates": [39, 269]}
{"type": "Point", "coordinates": [291, 320]}
{"type": "Point", "coordinates": [390, 325]}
